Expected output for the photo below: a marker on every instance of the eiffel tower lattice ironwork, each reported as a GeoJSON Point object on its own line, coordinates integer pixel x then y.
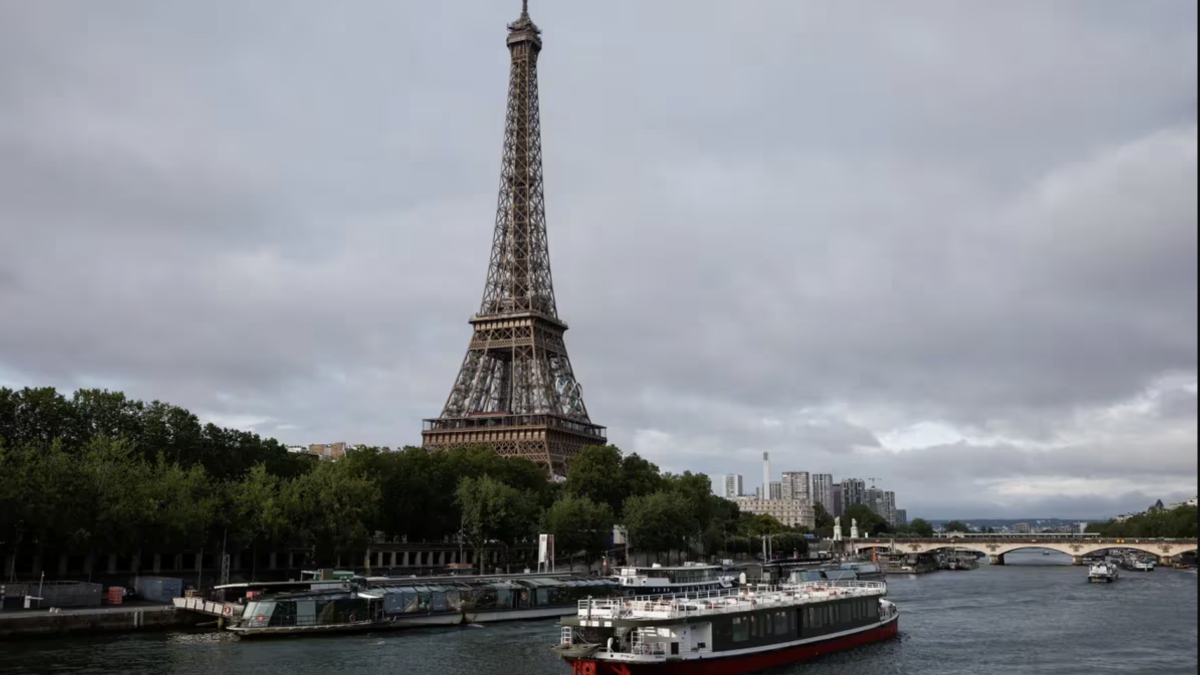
{"type": "Point", "coordinates": [516, 391]}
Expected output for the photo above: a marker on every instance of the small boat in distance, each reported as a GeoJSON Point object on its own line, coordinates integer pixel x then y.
{"type": "Point", "coordinates": [1144, 565]}
{"type": "Point", "coordinates": [1103, 573]}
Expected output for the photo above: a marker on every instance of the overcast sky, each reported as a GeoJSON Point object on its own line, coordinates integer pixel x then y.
{"type": "Point", "coordinates": [948, 245]}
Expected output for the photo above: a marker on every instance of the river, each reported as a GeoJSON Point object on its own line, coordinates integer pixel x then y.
{"type": "Point", "coordinates": [1031, 616]}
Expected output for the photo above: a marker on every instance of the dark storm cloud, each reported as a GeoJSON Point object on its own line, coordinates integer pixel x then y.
{"type": "Point", "coordinates": [950, 245]}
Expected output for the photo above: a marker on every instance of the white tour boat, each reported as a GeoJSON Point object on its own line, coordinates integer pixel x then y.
{"type": "Point", "coordinates": [726, 632]}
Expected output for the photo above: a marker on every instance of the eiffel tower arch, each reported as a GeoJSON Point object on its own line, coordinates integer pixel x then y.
{"type": "Point", "coordinates": [516, 391]}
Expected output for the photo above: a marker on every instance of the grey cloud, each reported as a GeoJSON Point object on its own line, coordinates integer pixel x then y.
{"type": "Point", "coordinates": [978, 216]}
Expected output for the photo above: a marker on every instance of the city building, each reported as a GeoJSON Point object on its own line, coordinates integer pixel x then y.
{"type": "Point", "coordinates": [516, 391]}
{"type": "Point", "coordinates": [733, 485]}
{"type": "Point", "coordinates": [900, 517]}
{"type": "Point", "coordinates": [889, 506]}
{"type": "Point", "coordinates": [766, 488]}
{"type": "Point", "coordinates": [839, 502]}
{"type": "Point", "coordinates": [789, 512]}
{"type": "Point", "coordinates": [329, 451]}
{"type": "Point", "coordinates": [1022, 528]}
{"type": "Point", "coordinates": [854, 491]}
{"type": "Point", "coordinates": [776, 490]}
{"type": "Point", "coordinates": [874, 499]}
{"type": "Point", "coordinates": [796, 486]}
{"type": "Point", "coordinates": [822, 490]}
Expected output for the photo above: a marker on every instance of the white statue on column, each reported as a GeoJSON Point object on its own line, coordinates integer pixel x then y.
{"type": "Point", "coordinates": [837, 528]}
{"type": "Point", "coordinates": [854, 528]}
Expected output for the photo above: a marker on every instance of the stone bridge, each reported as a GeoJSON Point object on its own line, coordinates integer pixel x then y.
{"type": "Point", "coordinates": [996, 548]}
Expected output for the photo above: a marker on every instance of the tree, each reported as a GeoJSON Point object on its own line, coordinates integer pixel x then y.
{"type": "Point", "coordinates": [579, 525]}
{"type": "Point", "coordinates": [659, 522]}
{"type": "Point", "coordinates": [1177, 523]}
{"type": "Point", "coordinates": [956, 526]}
{"type": "Point", "coordinates": [596, 474]}
{"type": "Point", "coordinates": [327, 509]}
{"type": "Point", "coordinates": [921, 527]}
{"type": "Point", "coordinates": [258, 511]}
{"type": "Point", "coordinates": [493, 511]}
{"type": "Point", "coordinates": [639, 477]}
{"type": "Point", "coordinates": [790, 544]}
{"type": "Point", "coordinates": [867, 519]}
{"type": "Point", "coordinates": [823, 519]}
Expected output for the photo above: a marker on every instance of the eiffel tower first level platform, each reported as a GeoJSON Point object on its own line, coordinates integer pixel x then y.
{"type": "Point", "coordinates": [516, 394]}
{"type": "Point", "coordinates": [515, 391]}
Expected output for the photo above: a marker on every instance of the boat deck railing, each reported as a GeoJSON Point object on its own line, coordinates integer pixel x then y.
{"type": "Point", "coordinates": [726, 601]}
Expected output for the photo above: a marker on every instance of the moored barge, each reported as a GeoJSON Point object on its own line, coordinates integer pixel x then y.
{"type": "Point", "coordinates": [368, 605]}
{"type": "Point", "coordinates": [727, 632]}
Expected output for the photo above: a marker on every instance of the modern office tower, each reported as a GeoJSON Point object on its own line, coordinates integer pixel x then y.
{"type": "Point", "coordinates": [776, 490]}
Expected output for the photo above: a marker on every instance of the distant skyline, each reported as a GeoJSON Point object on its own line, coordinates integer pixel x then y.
{"type": "Point", "coordinates": [952, 246]}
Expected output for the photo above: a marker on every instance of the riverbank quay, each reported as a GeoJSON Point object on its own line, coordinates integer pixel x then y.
{"type": "Point", "coordinates": [93, 620]}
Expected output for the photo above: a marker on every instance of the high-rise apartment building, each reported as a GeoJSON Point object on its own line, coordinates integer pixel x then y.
{"type": "Point", "coordinates": [733, 485]}
{"type": "Point", "coordinates": [776, 490]}
{"type": "Point", "coordinates": [901, 517]}
{"type": "Point", "coordinates": [839, 502]}
{"type": "Point", "coordinates": [822, 490]}
{"type": "Point", "coordinates": [889, 508]}
{"type": "Point", "coordinates": [796, 486]}
{"type": "Point", "coordinates": [854, 491]}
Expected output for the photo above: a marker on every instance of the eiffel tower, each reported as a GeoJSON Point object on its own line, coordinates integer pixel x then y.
{"type": "Point", "coordinates": [516, 392]}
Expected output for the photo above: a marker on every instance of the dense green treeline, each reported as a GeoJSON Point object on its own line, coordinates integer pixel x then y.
{"type": "Point", "coordinates": [101, 472]}
{"type": "Point", "coordinates": [1177, 523]}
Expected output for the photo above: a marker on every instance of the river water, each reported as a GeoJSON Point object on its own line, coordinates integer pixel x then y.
{"type": "Point", "coordinates": [1032, 616]}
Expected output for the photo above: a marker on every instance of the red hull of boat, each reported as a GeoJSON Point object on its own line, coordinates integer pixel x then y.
{"type": "Point", "coordinates": [738, 665]}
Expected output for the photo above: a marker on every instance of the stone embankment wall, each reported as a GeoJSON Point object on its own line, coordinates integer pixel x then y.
{"type": "Point", "coordinates": [125, 619]}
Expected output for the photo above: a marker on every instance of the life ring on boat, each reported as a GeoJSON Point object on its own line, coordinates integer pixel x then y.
{"type": "Point", "coordinates": [228, 611]}
{"type": "Point", "coordinates": [260, 618]}
{"type": "Point", "coordinates": [585, 668]}
{"type": "Point", "coordinates": [353, 618]}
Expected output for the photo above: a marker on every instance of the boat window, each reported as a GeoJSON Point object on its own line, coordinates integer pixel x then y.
{"type": "Point", "coordinates": [791, 619]}
{"type": "Point", "coordinates": [741, 629]}
{"type": "Point", "coordinates": [306, 613]}
{"type": "Point", "coordinates": [873, 610]}
{"type": "Point", "coordinates": [768, 624]}
{"type": "Point", "coordinates": [781, 623]}
{"type": "Point", "coordinates": [755, 626]}
{"type": "Point", "coordinates": [261, 616]}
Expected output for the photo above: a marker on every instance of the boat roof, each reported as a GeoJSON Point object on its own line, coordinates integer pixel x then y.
{"type": "Point", "coordinates": [305, 583]}
{"type": "Point", "coordinates": [663, 568]}
{"type": "Point", "coordinates": [726, 601]}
